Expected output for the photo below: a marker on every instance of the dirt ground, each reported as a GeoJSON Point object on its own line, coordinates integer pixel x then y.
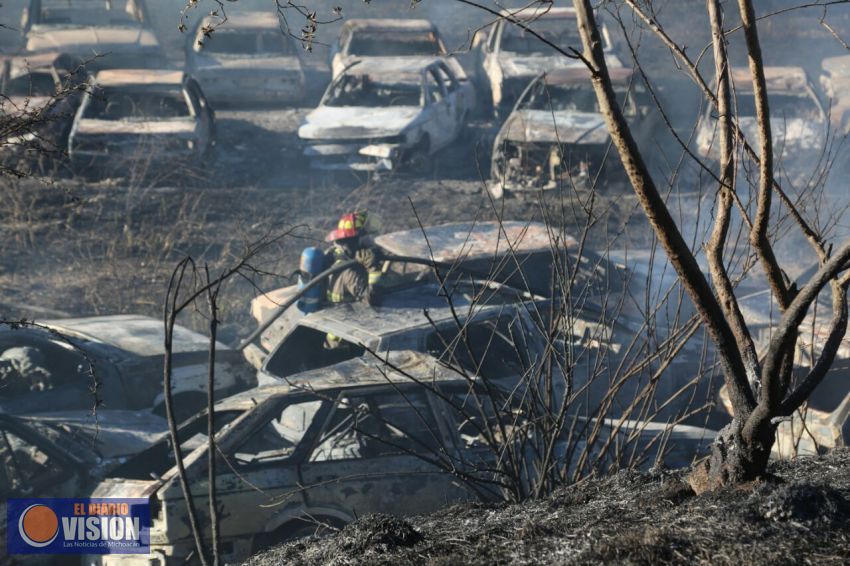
{"type": "Point", "coordinates": [801, 516]}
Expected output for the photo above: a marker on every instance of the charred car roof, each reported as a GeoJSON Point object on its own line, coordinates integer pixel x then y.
{"type": "Point", "coordinates": [253, 20]}
{"type": "Point", "coordinates": [411, 307]}
{"type": "Point", "coordinates": [126, 77]}
{"type": "Point", "coordinates": [470, 240]}
{"type": "Point", "coordinates": [139, 335]}
{"type": "Point", "coordinates": [394, 24]}
{"type": "Point", "coordinates": [789, 80]}
{"type": "Point", "coordinates": [573, 75]}
{"type": "Point", "coordinates": [537, 12]}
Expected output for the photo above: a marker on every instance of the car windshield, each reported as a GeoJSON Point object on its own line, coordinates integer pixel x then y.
{"type": "Point", "coordinates": [556, 31]}
{"type": "Point", "coordinates": [147, 104]}
{"type": "Point", "coordinates": [245, 43]}
{"type": "Point", "coordinates": [782, 107]}
{"type": "Point", "coordinates": [361, 90]}
{"type": "Point", "coordinates": [394, 44]}
{"type": "Point", "coordinates": [159, 458]}
{"type": "Point", "coordinates": [568, 98]}
{"type": "Point", "coordinates": [32, 84]}
{"type": "Point", "coordinates": [88, 12]}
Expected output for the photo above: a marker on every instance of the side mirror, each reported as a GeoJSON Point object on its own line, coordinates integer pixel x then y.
{"type": "Point", "coordinates": [25, 19]}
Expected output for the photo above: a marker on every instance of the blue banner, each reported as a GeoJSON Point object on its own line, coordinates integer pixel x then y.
{"type": "Point", "coordinates": [78, 526]}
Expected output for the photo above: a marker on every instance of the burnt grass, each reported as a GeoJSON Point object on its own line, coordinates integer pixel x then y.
{"type": "Point", "coordinates": [801, 515]}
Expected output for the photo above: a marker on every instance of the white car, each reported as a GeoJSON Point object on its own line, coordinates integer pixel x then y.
{"type": "Point", "coordinates": [247, 59]}
{"type": "Point", "coordinates": [139, 116]}
{"type": "Point", "coordinates": [509, 57]}
{"type": "Point", "coordinates": [798, 121]}
{"type": "Point", "coordinates": [385, 115]}
{"type": "Point", "coordinates": [107, 35]}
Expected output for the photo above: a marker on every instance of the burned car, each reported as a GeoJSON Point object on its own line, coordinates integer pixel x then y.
{"type": "Point", "coordinates": [409, 41]}
{"type": "Point", "coordinates": [331, 445]}
{"type": "Point", "coordinates": [141, 117]}
{"type": "Point", "coordinates": [246, 60]}
{"type": "Point", "coordinates": [50, 368]}
{"type": "Point", "coordinates": [65, 454]}
{"type": "Point", "coordinates": [386, 115]}
{"type": "Point", "coordinates": [797, 118]}
{"type": "Point", "coordinates": [106, 35]}
{"type": "Point", "coordinates": [509, 57]}
{"type": "Point", "coordinates": [556, 135]}
{"type": "Point", "coordinates": [44, 91]}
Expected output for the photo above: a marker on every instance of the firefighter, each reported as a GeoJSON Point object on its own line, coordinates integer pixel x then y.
{"type": "Point", "coordinates": [349, 242]}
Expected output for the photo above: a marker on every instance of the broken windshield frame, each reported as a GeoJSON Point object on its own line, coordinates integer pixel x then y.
{"type": "Point", "coordinates": [129, 103]}
{"type": "Point", "coordinates": [361, 90]}
{"type": "Point", "coordinates": [572, 98]}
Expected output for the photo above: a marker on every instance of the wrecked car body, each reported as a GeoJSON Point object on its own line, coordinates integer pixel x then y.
{"type": "Point", "coordinates": [66, 454]}
{"type": "Point", "coordinates": [359, 437]}
{"type": "Point", "coordinates": [509, 57]}
{"type": "Point", "coordinates": [247, 60]}
{"type": "Point", "coordinates": [51, 369]}
{"type": "Point", "coordinates": [408, 42]}
{"type": "Point", "coordinates": [382, 116]}
{"type": "Point", "coordinates": [556, 135]}
{"type": "Point", "coordinates": [135, 118]}
{"type": "Point", "coordinates": [106, 35]}
{"type": "Point", "coordinates": [797, 118]}
{"type": "Point", "coordinates": [45, 90]}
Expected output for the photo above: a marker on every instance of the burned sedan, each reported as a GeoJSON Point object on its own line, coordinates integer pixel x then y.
{"type": "Point", "coordinates": [409, 41]}
{"type": "Point", "coordinates": [381, 116]}
{"type": "Point", "coordinates": [66, 454]}
{"type": "Point", "coordinates": [247, 60]}
{"type": "Point", "coordinates": [556, 136]}
{"type": "Point", "coordinates": [44, 91]}
{"type": "Point", "coordinates": [356, 438]}
{"type": "Point", "coordinates": [139, 117]}
{"type": "Point", "coordinates": [509, 56]}
{"type": "Point", "coordinates": [52, 367]}
{"type": "Point", "coordinates": [107, 35]}
{"type": "Point", "coordinates": [797, 119]}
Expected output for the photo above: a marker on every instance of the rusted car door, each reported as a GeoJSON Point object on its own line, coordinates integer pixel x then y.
{"type": "Point", "coordinates": [204, 114]}
{"type": "Point", "coordinates": [376, 454]}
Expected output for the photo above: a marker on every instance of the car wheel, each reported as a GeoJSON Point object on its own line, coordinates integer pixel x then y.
{"type": "Point", "coordinates": [419, 160]}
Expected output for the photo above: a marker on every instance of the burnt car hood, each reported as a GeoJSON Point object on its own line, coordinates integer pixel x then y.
{"type": "Point", "coordinates": [356, 122]}
{"type": "Point", "coordinates": [86, 41]}
{"type": "Point", "coordinates": [552, 127]}
{"type": "Point", "coordinates": [111, 434]}
{"type": "Point", "coordinates": [140, 335]}
{"type": "Point", "coordinates": [208, 63]}
{"type": "Point", "coordinates": [528, 66]}
{"type": "Point", "coordinates": [183, 127]}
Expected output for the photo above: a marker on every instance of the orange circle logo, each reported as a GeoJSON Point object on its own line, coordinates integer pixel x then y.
{"type": "Point", "coordinates": [38, 525]}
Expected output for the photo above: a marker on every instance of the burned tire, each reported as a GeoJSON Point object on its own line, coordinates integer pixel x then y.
{"type": "Point", "coordinates": [419, 160]}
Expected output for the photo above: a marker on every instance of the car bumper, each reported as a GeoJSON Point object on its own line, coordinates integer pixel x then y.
{"type": "Point", "coordinates": [353, 157]}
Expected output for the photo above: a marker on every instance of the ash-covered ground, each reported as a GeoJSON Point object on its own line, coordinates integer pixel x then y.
{"type": "Point", "coordinates": [801, 516]}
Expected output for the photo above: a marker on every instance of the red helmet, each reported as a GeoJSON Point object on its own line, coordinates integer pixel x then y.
{"type": "Point", "coordinates": [350, 225]}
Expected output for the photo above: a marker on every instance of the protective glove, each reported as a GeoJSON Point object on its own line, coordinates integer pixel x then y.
{"type": "Point", "coordinates": [366, 257]}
